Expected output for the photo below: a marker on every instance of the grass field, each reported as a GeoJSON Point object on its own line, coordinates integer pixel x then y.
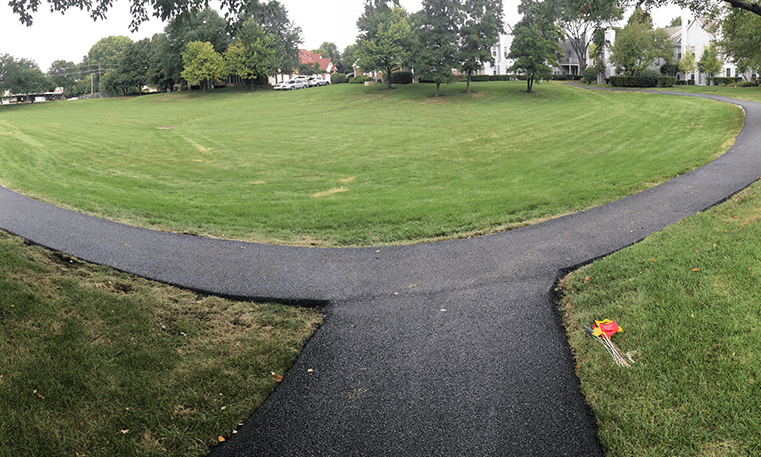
{"type": "Point", "coordinates": [99, 363]}
{"type": "Point", "coordinates": [353, 165]}
{"type": "Point", "coordinates": [688, 301]}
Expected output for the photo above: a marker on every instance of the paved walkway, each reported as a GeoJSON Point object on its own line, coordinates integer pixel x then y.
{"type": "Point", "coordinates": [452, 348]}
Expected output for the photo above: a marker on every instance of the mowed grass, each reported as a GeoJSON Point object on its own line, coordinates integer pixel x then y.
{"type": "Point", "coordinates": [351, 165]}
{"type": "Point", "coordinates": [688, 301]}
{"type": "Point", "coordinates": [99, 363]}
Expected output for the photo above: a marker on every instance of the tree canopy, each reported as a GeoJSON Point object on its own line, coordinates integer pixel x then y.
{"type": "Point", "coordinates": [437, 46]}
{"type": "Point", "coordinates": [479, 32]}
{"type": "Point", "coordinates": [741, 40]}
{"type": "Point", "coordinates": [22, 76]}
{"type": "Point", "coordinates": [536, 41]}
{"type": "Point", "coordinates": [580, 18]}
{"type": "Point", "coordinates": [384, 39]}
{"type": "Point", "coordinates": [638, 44]}
{"type": "Point", "coordinates": [202, 63]}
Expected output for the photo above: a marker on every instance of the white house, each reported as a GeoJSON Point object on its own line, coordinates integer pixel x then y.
{"type": "Point", "coordinates": [696, 34]}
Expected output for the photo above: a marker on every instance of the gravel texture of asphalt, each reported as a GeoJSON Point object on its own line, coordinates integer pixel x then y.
{"type": "Point", "coordinates": [442, 349]}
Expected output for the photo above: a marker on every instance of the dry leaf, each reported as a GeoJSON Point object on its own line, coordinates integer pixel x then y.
{"type": "Point", "coordinates": [276, 377]}
{"type": "Point", "coordinates": [220, 439]}
{"type": "Point", "coordinates": [124, 432]}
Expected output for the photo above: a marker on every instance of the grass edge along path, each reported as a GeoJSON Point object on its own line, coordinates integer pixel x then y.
{"type": "Point", "coordinates": [94, 362]}
{"type": "Point", "coordinates": [688, 299]}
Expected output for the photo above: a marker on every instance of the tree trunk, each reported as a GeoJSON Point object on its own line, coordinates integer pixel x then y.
{"type": "Point", "coordinates": [467, 86]}
{"type": "Point", "coordinates": [437, 89]}
{"type": "Point", "coordinates": [388, 77]}
{"type": "Point", "coordinates": [529, 82]}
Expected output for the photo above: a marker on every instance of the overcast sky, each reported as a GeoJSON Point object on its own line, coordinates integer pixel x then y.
{"type": "Point", "coordinates": [69, 36]}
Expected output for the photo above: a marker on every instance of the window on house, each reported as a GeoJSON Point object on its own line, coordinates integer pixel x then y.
{"type": "Point", "coordinates": [729, 72]}
{"type": "Point", "coordinates": [494, 52]}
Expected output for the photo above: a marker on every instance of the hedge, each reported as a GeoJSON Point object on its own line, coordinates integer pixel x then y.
{"type": "Point", "coordinates": [338, 78]}
{"type": "Point", "coordinates": [360, 79]}
{"type": "Point", "coordinates": [723, 80]}
{"type": "Point", "coordinates": [666, 81]}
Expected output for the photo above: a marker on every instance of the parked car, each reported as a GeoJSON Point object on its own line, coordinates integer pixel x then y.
{"type": "Point", "coordinates": [291, 84]}
{"type": "Point", "coordinates": [316, 80]}
{"type": "Point", "coordinates": [302, 78]}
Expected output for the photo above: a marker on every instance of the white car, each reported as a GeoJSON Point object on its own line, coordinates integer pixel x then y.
{"type": "Point", "coordinates": [291, 84]}
{"type": "Point", "coordinates": [315, 80]}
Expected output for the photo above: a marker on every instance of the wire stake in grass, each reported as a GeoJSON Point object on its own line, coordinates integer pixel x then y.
{"type": "Point", "coordinates": [602, 331]}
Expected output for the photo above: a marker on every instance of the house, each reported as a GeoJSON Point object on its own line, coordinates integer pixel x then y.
{"type": "Point", "coordinates": [308, 58]}
{"type": "Point", "coordinates": [696, 35]}
{"type": "Point", "coordinates": [499, 53]}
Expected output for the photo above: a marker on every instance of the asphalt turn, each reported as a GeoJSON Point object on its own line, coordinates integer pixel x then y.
{"type": "Point", "coordinates": [442, 349]}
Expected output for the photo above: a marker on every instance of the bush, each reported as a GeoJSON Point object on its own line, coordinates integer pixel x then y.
{"type": "Point", "coordinates": [402, 77]}
{"type": "Point", "coordinates": [666, 81]}
{"type": "Point", "coordinates": [724, 80]}
{"type": "Point", "coordinates": [337, 78]}
{"type": "Point", "coordinates": [649, 78]}
{"type": "Point", "coordinates": [753, 83]}
{"type": "Point", "coordinates": [501, 77]}
{"type": "Point", "coordinates": [590, 75]}
{"type": "Point", "coordinates": [559, 77]}
{"type": "Point", "coordinates": [360, 79]}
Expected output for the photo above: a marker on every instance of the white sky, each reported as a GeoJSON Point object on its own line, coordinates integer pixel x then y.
{"type": "Point", "coordinates": [69, 36]}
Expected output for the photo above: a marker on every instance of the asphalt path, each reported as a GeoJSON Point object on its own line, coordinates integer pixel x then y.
{"type": "Point", "coordinates": [443, 349]}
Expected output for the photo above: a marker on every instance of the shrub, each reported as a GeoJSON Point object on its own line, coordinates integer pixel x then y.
{"type": "Point", "coordinates": [360, 79]}
{"type": "Point", "coordinates": [666, 81]}
{"type": "Point", "coordinates": [337, 78]}
{"type": "Point", "coordinates": [401, 77]}
{"type": "Point", "coordinates": [724, 80]}
{"type": "Point", "coordinates": [559, 77]}
{"type": "Point", "coordinates": [590, 75]}
{"type": "Point", "coordinates": [501, 77]}
{"type": "Point", "coordinates": [648, 78]}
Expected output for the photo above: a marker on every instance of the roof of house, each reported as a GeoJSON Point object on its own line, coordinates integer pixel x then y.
{"type": "Point", "coordinates": [308, 58]}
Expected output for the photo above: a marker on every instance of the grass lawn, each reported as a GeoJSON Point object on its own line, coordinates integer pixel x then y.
{"type": "Point", "coordinates": [99, 363]}
{"type": "Point", "coordinates": [353, 165]}
{"type": "Point", "coordinates": [752, 94]}
{"type": "Point", "coordinates": [688, 301]}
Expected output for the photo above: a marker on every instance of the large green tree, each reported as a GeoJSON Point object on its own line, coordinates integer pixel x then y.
{"type": "Point", "coordinates": [202, 63]}
{"type": "Point", "coordinates": [741, 38]}
{"type": "Point", "coordinates": [205, 26]}
{"type": "Point", "coordinates": [536, 41]}
{"type": "Point", "coordinates": [436, 47]}
{"type": "Point", "coordinates": [578, 19]}
{"type": "Point", "coordinates": [480, 31]}
{"type": "Point", "coordinates": [638, 45]}
{"type": "Point", "coordinates": [384, 39]}
{"type": "Point", "coordinates": [253, 54]}
{"type": "Point", "coordinates": [132, 69]}
{"type": "Point", "coordinates": [22, 76]}
{"type": "Point", "coordinates": [273, 17]}
{"type": "Point", "coordinates": [63, 73]}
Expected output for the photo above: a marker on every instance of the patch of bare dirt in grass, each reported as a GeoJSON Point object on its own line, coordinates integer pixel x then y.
{"type": "Point", "coordinates": [329, 193]}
